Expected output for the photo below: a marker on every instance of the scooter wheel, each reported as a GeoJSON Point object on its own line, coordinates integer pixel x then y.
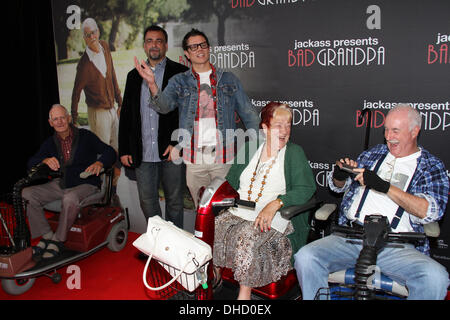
{"type": "Point", "coordinates": [117, 238]}
{"type": "Point", "coordinates": [17, 286]}
{"type": "Point", "coordinates": [56, 278]}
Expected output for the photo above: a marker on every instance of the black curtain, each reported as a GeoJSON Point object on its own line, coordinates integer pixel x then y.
{"type": "Point", "coordinates": [31, 85]}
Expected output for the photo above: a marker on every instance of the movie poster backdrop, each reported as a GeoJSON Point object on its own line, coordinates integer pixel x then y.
{"type": "Point", "coordinates": [340, 64]}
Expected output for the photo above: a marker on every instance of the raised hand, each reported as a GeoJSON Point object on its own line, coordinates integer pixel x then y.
{"type": "Point", "coordinates": [147, 74]}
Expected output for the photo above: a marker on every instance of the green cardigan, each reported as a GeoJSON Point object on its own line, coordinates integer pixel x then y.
{"type": "Point", "coordinates": [300, 185]}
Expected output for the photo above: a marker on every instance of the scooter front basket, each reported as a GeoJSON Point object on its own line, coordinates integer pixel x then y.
{"type": "Point", "coordinates": [160, 273]}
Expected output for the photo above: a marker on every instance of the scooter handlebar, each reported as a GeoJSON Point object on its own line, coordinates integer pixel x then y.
{"type": "Point", "coordinates": [347, 231]}
{"type": "Point", "coordinates": [392, 236]}
{"type": "Point", "coordinates": [245, 203]}
{"type": "Point", "coordinates": [406, 236]}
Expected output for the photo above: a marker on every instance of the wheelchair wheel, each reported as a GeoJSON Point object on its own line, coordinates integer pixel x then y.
{"type": "Point", "coordinates": [17, 286]}
{"type": "Point", "coordinates": [117, 238]}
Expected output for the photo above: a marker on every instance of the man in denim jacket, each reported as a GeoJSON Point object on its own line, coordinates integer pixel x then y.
{"type": "Point", "coordinates": [207, 100]}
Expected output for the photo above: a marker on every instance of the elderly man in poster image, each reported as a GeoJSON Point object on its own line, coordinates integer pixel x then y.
{"type": "Point", "coordinates": [400, 180]}
{"type": "Point", "coordinates": [97, 78]}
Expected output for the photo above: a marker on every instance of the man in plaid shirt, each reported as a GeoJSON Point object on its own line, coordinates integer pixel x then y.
{"type": "Point", "coordinates": [400, 180]}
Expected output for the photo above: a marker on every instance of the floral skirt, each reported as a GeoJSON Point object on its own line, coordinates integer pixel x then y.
{"type": "Point", "coordinates": [256, 258]}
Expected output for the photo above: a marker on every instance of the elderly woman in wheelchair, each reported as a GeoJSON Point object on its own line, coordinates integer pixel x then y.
{"type": "Point", "coordinates": [257, 244]}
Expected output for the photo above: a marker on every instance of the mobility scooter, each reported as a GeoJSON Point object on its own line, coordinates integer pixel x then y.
{"type": "Point", "coordinates": [345, 284]}
{"type": "Point", "coordinates": [99, 224]}
{"type": "Point", "coordinates": [217, 196]}
{"type": "Point", "coordinates": [364, 281]}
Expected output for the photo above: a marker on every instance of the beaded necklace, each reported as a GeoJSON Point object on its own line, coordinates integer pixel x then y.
{"type": "Point", "coordinates": [263, 182]}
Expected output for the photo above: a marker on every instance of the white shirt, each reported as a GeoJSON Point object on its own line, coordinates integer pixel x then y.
{"type": "Point", "coordinates": [98, 59]}
{"type": "Point", "coordinates": [397, 171]}
{"type": "Point", "coordinates": [275, 185]}
{"type": "Point", "coordinates": [207, 120]}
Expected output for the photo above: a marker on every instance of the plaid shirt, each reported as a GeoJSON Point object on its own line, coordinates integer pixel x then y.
{"type": "Point", "coordinates": [66, 145]}
{"type": "Point", "coordinates": [192, 153]}
{"type": "Point", "coordinates": [430, 182]}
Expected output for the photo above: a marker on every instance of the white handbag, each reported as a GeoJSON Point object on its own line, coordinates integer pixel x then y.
{"type": "Point", "coordinates": [183, 255]}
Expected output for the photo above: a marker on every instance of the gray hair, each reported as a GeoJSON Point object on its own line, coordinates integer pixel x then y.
{"type": "Point", "coordinates": [89, 22]}
{"type": "Point", "coordinates": [56, 105]}
{"type": "Point", "coordinates": [285, 107]}
{"type": "Point", "coordinates": [415, 120]}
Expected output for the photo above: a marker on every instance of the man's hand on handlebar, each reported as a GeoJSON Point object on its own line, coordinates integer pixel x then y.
{"type": "Point", "coordinates": [52, 163]}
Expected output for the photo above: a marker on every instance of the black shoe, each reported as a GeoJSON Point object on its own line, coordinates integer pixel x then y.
{"type": "Point", "coordinates": [53, 253]}
{"type": "Point", "coordinates": [39, 251]}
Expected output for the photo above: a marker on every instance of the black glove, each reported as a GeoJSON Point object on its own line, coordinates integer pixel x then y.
{"type": "Point", "coordinates": [373, 181]}
{"type": "Point", "coordinates": [340, 175]}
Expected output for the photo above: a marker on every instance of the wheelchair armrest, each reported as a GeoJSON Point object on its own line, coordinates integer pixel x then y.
{"type": "Point", "coordinates": [103, 198]}
{"type": "Point", "coordinates": [432, 229]}
{"type": "Point", "coordinates": [292, 211]}
{"type": "Point", "coordinates": [324, 212]}
{"type": "Point", "coordinates": [107, 185]}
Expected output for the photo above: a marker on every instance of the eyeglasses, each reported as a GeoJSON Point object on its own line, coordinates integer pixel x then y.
{"type": "Point", "coordinates": [89, 34]}
{"type": "Point", "coordinates": [194, 47]}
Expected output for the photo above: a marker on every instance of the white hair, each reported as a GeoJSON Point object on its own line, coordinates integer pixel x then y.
{"type": "Point", "coordinates": [89, 22]}
{"type": "Point", "coordinates": [56, 105]}
{"type": "Point", "coordinates": [415, 120]}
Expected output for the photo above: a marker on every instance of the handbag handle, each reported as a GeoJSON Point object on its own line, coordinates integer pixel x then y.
{"type": "Point", "coordinates": [144, 274]}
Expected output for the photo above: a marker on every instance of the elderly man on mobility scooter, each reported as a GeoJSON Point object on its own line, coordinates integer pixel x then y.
{"type": "Point", "coordinates": [79, 155]}
{"type": "Point", "coordinates": [400, 180]}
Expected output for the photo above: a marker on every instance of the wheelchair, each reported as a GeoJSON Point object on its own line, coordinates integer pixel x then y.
{"type": "Point", "coordinates": [98, 224]}
{"type": "Point", "coordinates": [364, 281]}
{"type": "Point", "coordinates": [219, 195]}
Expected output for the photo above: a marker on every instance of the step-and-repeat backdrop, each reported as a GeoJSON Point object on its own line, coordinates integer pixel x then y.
{"type": "Point", "coordinates": [340, 64]}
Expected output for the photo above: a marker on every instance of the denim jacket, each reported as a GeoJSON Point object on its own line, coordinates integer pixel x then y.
{"type": "Point", "coordinates": [182, 92]}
